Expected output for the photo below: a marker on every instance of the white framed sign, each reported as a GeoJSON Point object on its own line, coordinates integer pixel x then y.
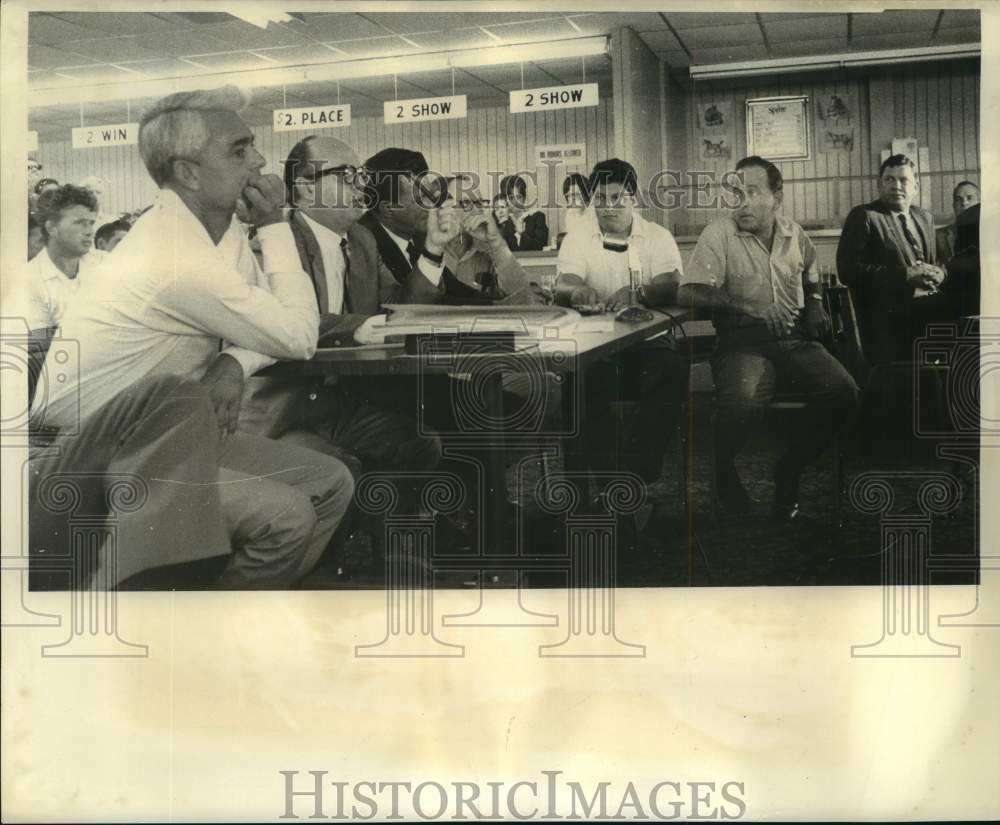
{"type": "Point", "coordinates": [425, 108]}
{"type": "Point", "coordinates": [778, 127]}
{"type": "Point", "coordinates": [115, 134]}
{"type": "Point", "coordinates": [553, 97]}
{"type": "Point", "coordinates": [312, 117]}
{"type": "Point", "coordinates": [568, 154]}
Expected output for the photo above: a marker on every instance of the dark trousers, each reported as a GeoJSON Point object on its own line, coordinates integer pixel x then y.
{"type": "Point", "coordinates": [747, 378]}
{"type": "Point", "coordinates": [631, 405]}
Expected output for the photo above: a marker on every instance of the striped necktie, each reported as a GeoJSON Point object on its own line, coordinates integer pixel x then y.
{"type": "Point", "coordinates": [915, 245]}
{"type": "Point", "coordinates": [347, 275]}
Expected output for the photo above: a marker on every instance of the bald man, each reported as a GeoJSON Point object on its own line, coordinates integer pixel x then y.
{"type": "Point", "coordinates": [368, 423]}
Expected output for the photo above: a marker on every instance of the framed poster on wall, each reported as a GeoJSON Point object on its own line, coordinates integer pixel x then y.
{"type": "Point", "coordinates": [778, 127]}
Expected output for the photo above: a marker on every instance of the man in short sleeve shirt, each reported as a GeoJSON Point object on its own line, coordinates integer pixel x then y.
{"type": "Point", "coordinates": [594, 264]}
{"type": "Point", "coordinates": [756, 271]}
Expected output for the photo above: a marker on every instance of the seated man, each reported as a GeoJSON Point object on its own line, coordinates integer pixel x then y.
{"type": "Point", "coordinates": [53, 277]}
{"type": "Point", "coordinates": [403, 198]}
{"type": "Point", "coordinates": [756, 270]}
{"type": "Point", "coordinates": [594, 266]}
{"type": "Point", "coordinates": [111, 234]}
{"type": "Point", "coordinates": [325, 185]}
{"type": "Point", "coordinates": [184, 297]}
{"type": "Point", "coordinates": [887, 256]}
{"type": "Point", "coordinates": [479, 257]}
{"type": "Point", "coordinates": [964, 196]}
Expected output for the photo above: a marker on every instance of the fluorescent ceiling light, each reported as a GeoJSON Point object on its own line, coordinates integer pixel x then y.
{"type": "Point", "coordinates": [334, 70]}
{"type": "Point", "coordinates": [845, 60]}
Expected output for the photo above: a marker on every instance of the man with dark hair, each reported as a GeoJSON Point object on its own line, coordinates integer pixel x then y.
{"type": "Point", "coordinates": [756, 270]}
{"type": "Point", "coordinates": [110, 235]}
{"type": "Point", "coordinates": [596, 262]}
{"type": "Point", "coordinates": [524, 231]}
{"type": "Point", "coordinates": [325, 185]}
{"type": "Point", "coordinates": [887, 255]}
{"type": "Point", "coordinates": [964, 196]}
{"type": "Point", "coordinates": [53, 277]}
{"type": "Point", "coordinates": [36, 236]}
{"type": "Point", "coordinates": [576, 191]}
{"type": "Point", "coordinates": [411, 221]}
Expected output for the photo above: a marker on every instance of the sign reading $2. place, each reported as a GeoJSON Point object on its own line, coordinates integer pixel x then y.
{"type": "Point", "coordinates": [312, 117]}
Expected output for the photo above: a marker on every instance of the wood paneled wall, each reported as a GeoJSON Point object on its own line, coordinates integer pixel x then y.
{"type": "Point", "coordinates": [939, 105]}
{"type": "Point", "coordinates": [490, 142]}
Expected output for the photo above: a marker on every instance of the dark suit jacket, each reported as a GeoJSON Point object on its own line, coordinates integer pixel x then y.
{"type": "Point", "coordinates": [534, 238]}
{"type": "Point", "coordinates": [452, 290]}
{"type": "Point", "coordinates": [872, 258]}
{"type": "Point", "coordinates": [274, 405]}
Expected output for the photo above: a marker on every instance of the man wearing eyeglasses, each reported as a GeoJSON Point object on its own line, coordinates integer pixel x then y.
{"type": "Point", "coordinates": [595, 263]}
{"type": "Point", "coordinates": [348, 418]}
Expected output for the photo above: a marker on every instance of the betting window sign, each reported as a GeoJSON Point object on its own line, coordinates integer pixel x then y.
{"type": "Point", "coordinates": [425, 108]}
{"type": "Point", "coordinates": [553, 97]}
{"type": "Point", "coordinates": [116, 134]}
{"type": "Point", "coordinates": [312, 117]}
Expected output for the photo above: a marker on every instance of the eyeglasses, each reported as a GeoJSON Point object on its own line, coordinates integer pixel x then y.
{"type": "Point", "coordinates": [356, 176]}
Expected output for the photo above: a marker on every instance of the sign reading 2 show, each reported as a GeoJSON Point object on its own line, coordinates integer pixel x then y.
{"type": "Point", "coordinates": [425, 108]}
{"type": "Point", "coordinates": [312, 117]}
{"type": "Point", "coordinates": [554, 97]}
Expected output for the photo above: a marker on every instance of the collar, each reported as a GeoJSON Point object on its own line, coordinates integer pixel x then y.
{"type": "Point", "coordinates": [169, 203]}
{"type": "Point", "coordinates": [783, 227]}
{"type": "Point", "coordinates": [400, 241]}
{"type": "Point", "coordinates": [48, 269]}
{"type": "Point", "coordinates": [323, 233]}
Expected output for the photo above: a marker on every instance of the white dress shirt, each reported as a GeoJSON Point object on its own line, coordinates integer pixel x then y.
{"type": "Point", "coordinates": [334, 265]}
{"type": "Point", "coordinates": [47, 291]}
{"type": "Point", "coordinates": [168, 299]}
{"type": "Point", "coordinates": [651, 247]}
{"type": "Point", "coordinates": [431, 271]}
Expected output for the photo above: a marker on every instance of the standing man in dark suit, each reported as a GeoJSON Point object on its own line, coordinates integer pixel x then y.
{"type": "Point", "coordinates": [369, 419]}
{"type": "Point", "coordinates": [402, 198]}
{"type": "Point", "coordinates": [887, 256]}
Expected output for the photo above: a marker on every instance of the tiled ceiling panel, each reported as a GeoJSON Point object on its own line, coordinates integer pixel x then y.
{"type": "Point", "coordinates": [747, 34]}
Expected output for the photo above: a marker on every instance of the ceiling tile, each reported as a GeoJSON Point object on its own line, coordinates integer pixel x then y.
{"type": "Point", "coordinates": [241, 35]}
{"type": "Point", "coordinates": [728, 54]}
{"type": "Point", "coordinates": [509, 77]}
{"type": "Point", "coordinates": [232, 62]}
{"type": "Point", "coordinates": [813, 28]}
{"type": "Point", "coordinates": [639, 21]}
{"type": "Point", "coordinates": [893, 22]}
{"type": "Point", "coordinates": [335, 27]}
{"type": "Point", "coordinates": [294, 55]}
{"type": "Point", "coordinates": [772, 17]}
{"type": "Point", "coordinates": [113, 24]}
{"type": "Point", "coordinates": [747, 34]}
{"type": "Point", "coordinates": [467, 19]}
{"type": "Point", "coordinates": [376, 47]}
{"type": "Point", "coordinates": [959, 19]}
{"type": "Point", "coordinates": [675, 59]}
{"type": "Point", "coordinates": [690, 20]}
{"type": "Point", "coordinates": [45, 57]}
{"type": "Point", "coordinates": [798, 48]}
{"type": "Point", "coordinates": [662, 41]}
{"type": "Point", "coordinates": [98, 74]}
{"type": "Point", "coordinates": [956, 36]}
{"type": "Point", "coordinates": [107, 112]}
{"type": "Point", "coordinates": [457, 39]}
{"type": "Point", "coordinates": [177, 44]}
{"type": "Point", "coordinates": [888, 40]}
{"type": "Point", "coordinates": [413, 23]}
{"type": "Point", "coordinates": [46, 29]}
{"type": "Point", "coordinates": [113, 50]}
{"type": "Point", "coordinates": [538, 30]}
{"type": "Point", "coordinates": [162, 68]}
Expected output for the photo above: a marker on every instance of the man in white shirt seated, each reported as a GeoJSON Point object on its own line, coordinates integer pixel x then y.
{"type": "Point", "coordinates": [183, 295]}
{"type": "Point", "coordinates": [594, 268]}
{"type": "Point", "coordinates": [53, 277]}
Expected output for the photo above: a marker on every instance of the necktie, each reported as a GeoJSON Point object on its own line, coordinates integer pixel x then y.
{"type": "Point", "coordinates": [918, 251]}
{"type": "Point", "coordinates": [411, 252]}
{"type": "Point", "coordinates": [347, 275]}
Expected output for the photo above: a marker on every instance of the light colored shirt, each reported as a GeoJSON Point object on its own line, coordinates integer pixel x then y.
{"type": "Point", "coordinates": [651, 247]}
{"type": "Point", "coordinates": [739, 264]}
{"type": "Point", "coordinates": [432, 272]}
{"type": "Point", "coordinates": [334, 265]}
{"type": "Point", "coordinates": [168, 299]}
{"type": "Point", "coordinates": [47, 291]}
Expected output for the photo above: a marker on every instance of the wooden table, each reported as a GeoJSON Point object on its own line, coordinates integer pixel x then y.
{"type": "Point", "coordinates": [566, 355]}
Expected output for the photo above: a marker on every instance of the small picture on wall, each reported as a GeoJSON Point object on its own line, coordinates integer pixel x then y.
{"type": "Point", "coordinates": [836, 119]}
{"type": "Point", "coordinates": [715, 130]}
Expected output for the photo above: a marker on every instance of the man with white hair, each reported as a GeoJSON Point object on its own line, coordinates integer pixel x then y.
{"type": "Point", "coordinates": [184, 296]}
